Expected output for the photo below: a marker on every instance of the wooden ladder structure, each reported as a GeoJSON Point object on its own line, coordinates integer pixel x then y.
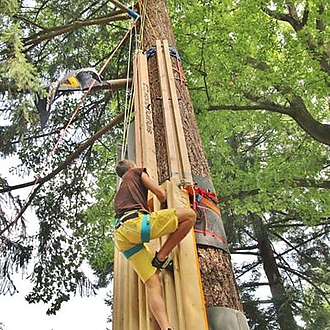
{"type": "Point", "coordinates": [183, 292]}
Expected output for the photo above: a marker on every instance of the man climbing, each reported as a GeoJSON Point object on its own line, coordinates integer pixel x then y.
{"type": "Point", "coordinates": [135, 226]}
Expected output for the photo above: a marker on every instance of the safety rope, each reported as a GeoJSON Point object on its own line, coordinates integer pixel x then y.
{"type": "Point", "coordinates": [129, 105]}
{"type": "Point", "coordinates": [145, 17]}
{"type": "Point", "coordinates": [128, 96]}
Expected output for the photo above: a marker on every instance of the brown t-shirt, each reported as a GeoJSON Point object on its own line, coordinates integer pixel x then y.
{"type": "Point", "coordinates": [132, 194]}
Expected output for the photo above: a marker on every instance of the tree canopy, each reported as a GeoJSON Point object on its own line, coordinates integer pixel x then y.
{"type": "Point", "coordinates": [258, 74]}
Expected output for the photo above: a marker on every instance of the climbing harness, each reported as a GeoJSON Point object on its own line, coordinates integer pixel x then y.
{"type": "Point", "coordinates": [144, 232]}
{"type": "Point", "coordinates": [135, 249]}
{"type": "Point", "coordinates": [145, 228]}
{"type": "Point", "coordinates": [125, 217]}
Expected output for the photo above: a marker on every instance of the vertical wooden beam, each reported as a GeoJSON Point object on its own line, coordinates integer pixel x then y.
{"type": "Point", "coordinates": [137, 113]}
{"type": "Point", "coordinates": [184, 165]}
{"type": "Point", "coordinates": [144, 130]}
{"type": "Point", "coordinates": [171, 143]}
{"type": "Point", "coordinates": [187, 281]}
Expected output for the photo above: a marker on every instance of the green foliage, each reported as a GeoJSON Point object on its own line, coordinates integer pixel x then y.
{"type": "Point", "coordinates": [17, 71]}
{"type": "Point", "coordinates": [100, 218]}
{"type": "Point", "coordinates": [8, 6]}
{"type": "Point", "coordinates": [316, 312]}
{"type": "Point", "coordinates": [242, 54]}
{"type": "Point", "coordinates": [259, 319]}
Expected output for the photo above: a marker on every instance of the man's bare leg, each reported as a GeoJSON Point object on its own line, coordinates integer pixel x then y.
{"type": "Point", "coordinates": [186, 218]}
{"type": "Point", "coordinates": [156, 301]}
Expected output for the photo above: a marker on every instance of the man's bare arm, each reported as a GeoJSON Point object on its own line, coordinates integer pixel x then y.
{"type": "Point", "coordinates": [153, 187]}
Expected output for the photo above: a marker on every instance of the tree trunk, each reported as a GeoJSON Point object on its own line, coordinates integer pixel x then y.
{"type": "Point", "coordinates": [219, 285]}
{"type": "Point", "coordinates": [281, 302]}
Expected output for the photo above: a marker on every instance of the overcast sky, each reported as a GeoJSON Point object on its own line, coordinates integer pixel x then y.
{"type": "Point", "coordinates": [79, 313]}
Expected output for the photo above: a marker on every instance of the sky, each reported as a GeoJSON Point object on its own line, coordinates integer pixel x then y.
{"type": "Point", "coordinates": [79, 313]}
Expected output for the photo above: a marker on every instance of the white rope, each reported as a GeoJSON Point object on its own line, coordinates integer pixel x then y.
{"type": "Point", "coordinates": [128, 107]}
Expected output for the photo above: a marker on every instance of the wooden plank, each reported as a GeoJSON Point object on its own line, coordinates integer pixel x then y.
{"type": "Point", "coordinates": [138, 142]}
{"type": "Point", "coordinates": [173, 305]}
{"type": "Point", "coordinates": [133, 307]}
{"type": "Point", "coordinates": [147, 126]}
{"type": "Point", "coordinates": [148, 159]}
{"type": "Point", "coordinates": [184, 165]}
{"type": "Point", "coordinates": [189, 298]}
{"type": "Point", "coordinates": [117, 301]}
{"type": "Point", "coordinates": [171, 143]}
{"type": "Point", "coordinates": [141, 109]}
{"type": "Point", "coordinates": [187, 275]}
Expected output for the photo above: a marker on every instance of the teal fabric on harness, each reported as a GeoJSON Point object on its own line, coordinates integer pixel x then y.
{"type": "Point", "coordinates": [136, 248]}
{"type": "Point", "coordinates": [145, 228]}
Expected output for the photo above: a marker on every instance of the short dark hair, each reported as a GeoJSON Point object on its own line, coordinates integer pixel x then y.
{"type": "Point", "coordinates": [123, 166]}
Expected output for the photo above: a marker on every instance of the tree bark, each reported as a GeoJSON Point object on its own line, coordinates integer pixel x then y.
{"type": "Point", "coordinates": [219, 284]}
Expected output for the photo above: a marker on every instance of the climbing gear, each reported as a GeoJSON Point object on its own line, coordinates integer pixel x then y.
{"type": "Point", "coordinates": [172, 51]}
{"type": "Point", "coordinates": [145, 229]}
{"type": "Point", "coordinates": [166, 264]}
{"type": "Point", "coordinates": [152, 51]}
{"type": "Point", "coordinates": [135, 249]}
{"type": "Point", "coordinates": [129, 11]}
{"type": "Point", "coordinates": [125, 217]}
{"type": "Point", "coordinates": [200, 195]}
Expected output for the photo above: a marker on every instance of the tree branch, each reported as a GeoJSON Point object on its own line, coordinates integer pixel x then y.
{"type": "Point", "coordinates": [47, 34]}
{"type": "Point", "coordinates": [305, 278]}
{"type": "Point", "coordinates": [292, 247]}
{"type": "Point", "coordinates": [114, 84]}
{"type": "Point", "coordinates": [302, 183]}
{"type": "Point", "coordinates": [70, 159]}
{"type": "Point", "coordinates": [253, 284]}
{"type": "Point", "coordinates": [297, 111]}
{"type": "Point", "coordinates": [293, 19]}
{"type": "Point", "coordinates": [40, 181]}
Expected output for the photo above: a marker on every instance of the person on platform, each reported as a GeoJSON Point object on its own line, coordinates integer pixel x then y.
{"type": "Point", "coordinates": [135, 226]}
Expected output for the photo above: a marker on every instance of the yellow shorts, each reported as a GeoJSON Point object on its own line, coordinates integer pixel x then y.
{"type": "Point", "coordinates": [128, 238]}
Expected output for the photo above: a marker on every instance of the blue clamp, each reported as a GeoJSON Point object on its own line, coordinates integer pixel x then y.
{"type": "Point", "coordinates": [132, 13]}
